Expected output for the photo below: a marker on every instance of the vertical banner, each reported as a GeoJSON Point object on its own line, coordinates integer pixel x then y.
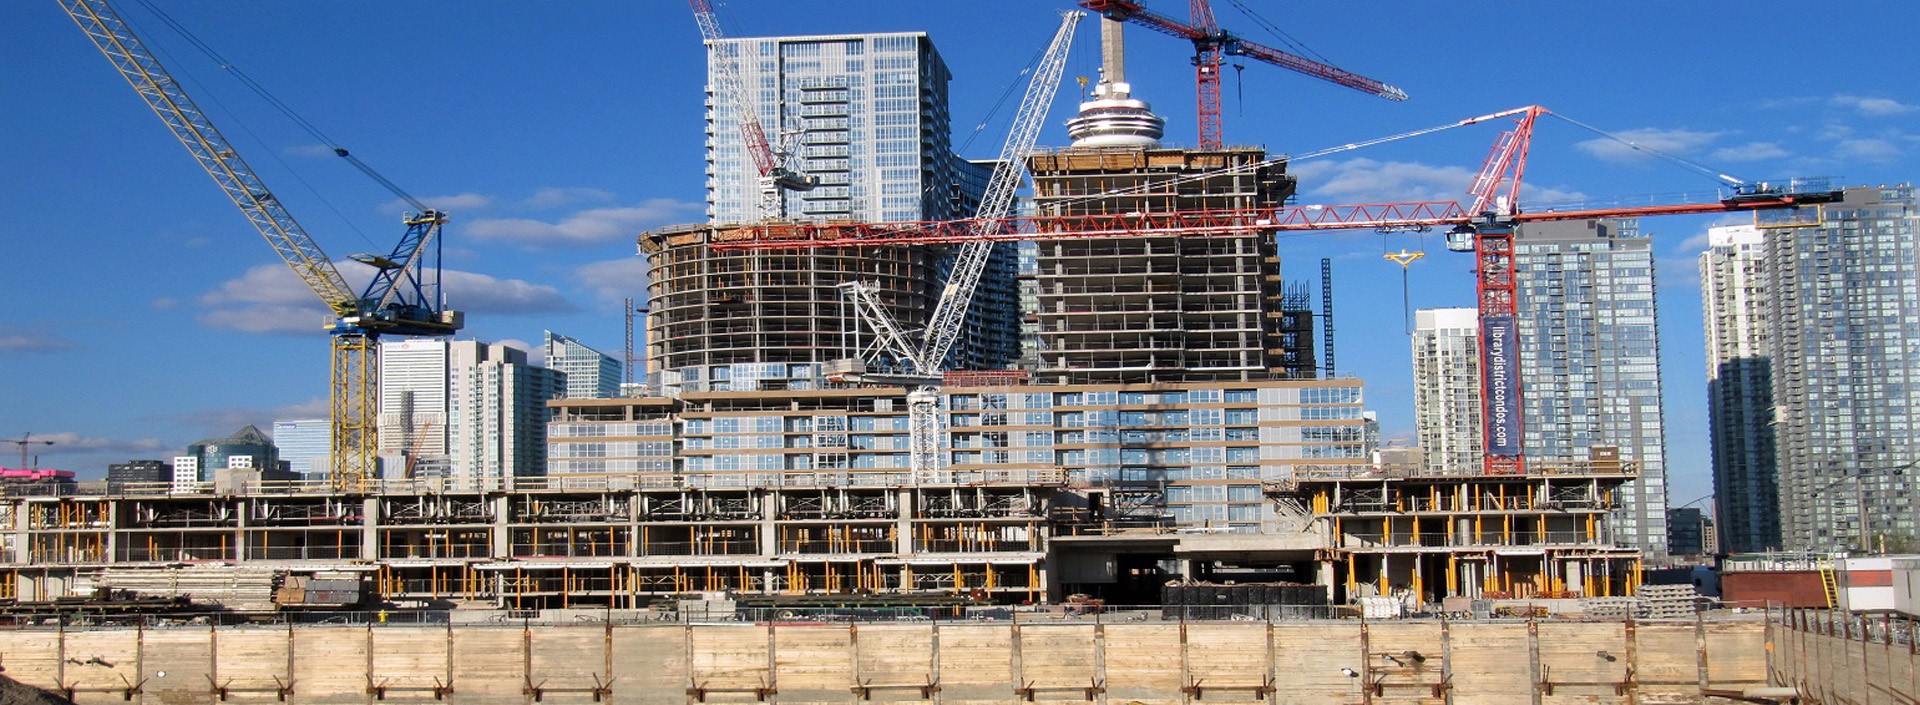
{"type": "Point", "coordinates": [1500, 370]}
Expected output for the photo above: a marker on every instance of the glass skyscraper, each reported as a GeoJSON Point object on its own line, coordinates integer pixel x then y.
{"type": "Point", "coordinates": [1837, 291]}
{"type": "Point", "coordinates": [1590, 360]}
{"type": "Point", "coordinates": [591, 374]}
{"type": "Point", "coordinates": [864, 114]}
{"type": "Point", "coordinates": [305, 444]}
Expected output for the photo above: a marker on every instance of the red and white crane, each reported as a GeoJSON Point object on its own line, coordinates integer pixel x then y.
{"type": "Point", "coordinates": [774, 165]}
{"type": "Point", "coordinates": [1485, 227]}
{"type": "Point", "coordinates": [1210, 43]}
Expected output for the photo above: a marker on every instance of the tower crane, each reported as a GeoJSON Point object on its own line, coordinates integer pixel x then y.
{"type": "Point", "coordinates": [1210, 43]}
{"type": "Point", "coordinates": [403, 297]}
{"type": "Point", "coordinates": [924, 358]}
{"type": "Point", "coordinates": [777, 175]}
{"type": "Point", "coordinates": [1484, 227]}
{"type": "Point", "coordinates": [26, 441]}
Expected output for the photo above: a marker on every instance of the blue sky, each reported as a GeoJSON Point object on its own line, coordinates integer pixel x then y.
{"type": "Point", "coordinates": [147, 314]}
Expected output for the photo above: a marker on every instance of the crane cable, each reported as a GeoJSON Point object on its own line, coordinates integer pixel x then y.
{"type": "Point", "coordinates": [1694, 166]}
{"type": "Point", "coordinates": [1283, 159]}
{"type": "Point", "coordinates": [284, 109]}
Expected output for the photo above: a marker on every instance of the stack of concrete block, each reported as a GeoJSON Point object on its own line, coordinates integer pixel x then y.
{"type": "Point", "coordinates": [1667, 601]}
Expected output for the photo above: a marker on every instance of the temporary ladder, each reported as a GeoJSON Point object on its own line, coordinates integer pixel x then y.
{"type": "Point", "coordinates": [1829, 584]}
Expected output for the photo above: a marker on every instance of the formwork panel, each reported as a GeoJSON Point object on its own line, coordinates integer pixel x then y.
{"type": "Point", "coordinates": [252, 661]}
{"type": "Point", "coordinates": [1736, 655]}
{"type": "Point", "coordinates": [569, 660]}
{"type": "Point", "coordinates": [106, 658]}
{"type": "Point", "coordinates": [489, 663]}
{"type": "Point", "coordinates": [1408, 660]}
{"type": "Point", "coordinates": [1491, 665]}
{"type": "Point", "coordinates": [178, 663]}
{"type": "Point", "coordinates": [1229, 661]}
{"type": "Point", "coordinates": [896, 655]}
{"type": "Point", "coordinates": [1309, 657]}
{"type": "Point", "coordinates": [1143, 661]}
{"type": "Point", "coordinates": [1666, 662]}
{"type": "Point", "coordinates": [729, 658]}
{"type": "Point", "coordinates": [974, 664]}
{"type": "Point", "coordinates": [1586, 662]}
{"type": "Point", "coordinates": [329, 664]}
{"type": "Point", "coordinates": [814, 662]}
{"type": "Point", "coordinates": [409, 661]}
{"type": "Point", "coordinates": [650, 665]}
{"type": "Point", "coordinates": [1057, 655]}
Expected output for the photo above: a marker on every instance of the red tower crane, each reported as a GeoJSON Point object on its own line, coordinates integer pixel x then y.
{"type": "Point", "coordinates": [1210, 44]}
{"type": "Point", "coordinates": [776, 174]}
{"type": "Point", "coordinates": [1485, 227]}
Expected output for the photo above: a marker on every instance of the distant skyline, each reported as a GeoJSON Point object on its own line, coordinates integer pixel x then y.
{"type": "Point", "coordinates": [148, 314]}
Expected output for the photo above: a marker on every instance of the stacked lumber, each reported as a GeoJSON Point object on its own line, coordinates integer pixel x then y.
{"type": "Point", "coordinates": [247, 589]}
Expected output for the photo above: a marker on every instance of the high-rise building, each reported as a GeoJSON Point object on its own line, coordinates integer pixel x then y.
{"type": "Point", "coordinates": [463, 409]}
{"type": "Point", "coordinates": [868, 116]}
{"type": "Point", "coordinates": [1590, 360]}
{"type": "Point", "coordinates": [305, 444]}
{"type": "Point", "coordinates": [591, 374]}
{"type": "Point", "coordinates": [246, 448]}
{"type": "Point", "coordinates": [1836, 302]}
{"type": "Point", "coordinates": [1446, 390]}
{"type": "Point", "coordinates": [1733, 292]}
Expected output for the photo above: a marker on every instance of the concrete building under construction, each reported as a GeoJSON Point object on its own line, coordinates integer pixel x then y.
{"type": "Point", "coordinates": [1159, 308]}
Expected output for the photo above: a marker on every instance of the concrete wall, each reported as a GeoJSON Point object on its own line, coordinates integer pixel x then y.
{"type": "Point", "coordinates": [959, 663]}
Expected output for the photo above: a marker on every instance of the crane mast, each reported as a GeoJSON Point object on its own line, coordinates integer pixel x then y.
{"type": "Point", "coordinates": [926, 360]}
{"type": "Point", "coordinates": [402, 298]}
{"type": "Point", "coordinates": [776, 173]}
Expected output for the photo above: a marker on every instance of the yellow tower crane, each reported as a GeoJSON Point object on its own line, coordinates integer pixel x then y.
{"type": "Point", "coordinates": [402, 299]}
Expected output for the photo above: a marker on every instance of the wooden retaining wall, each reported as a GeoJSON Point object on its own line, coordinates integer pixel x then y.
{"type": "Point", "coordinates": [1835, 657]}
{"type": "Point", "coordinates": [946, 663]}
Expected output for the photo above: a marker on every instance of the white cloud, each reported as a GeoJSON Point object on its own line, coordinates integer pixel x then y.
{"type": "Point", "coordinates": [557, 196]}
{"type": "Point", "coordinates": [1749, 152]}
{"type": "Point", "coordinates": [31, 340]}
{"type": "Point", "coordinates": [1700, 241]}
{"type": "Point", "coordinates": [1869, 149]}
{"type": "Point", "coordinates": [1875, 107]}
{"type": "Point", "coordinates": [1368, 181]}
{"type": "Point", "coordinates": [310, 150]}
{"type": "Point", "coordinates": [588, 227]}
{"type": "Point", "coordinates": [164, 303]}
{"type": "Point", "coordinates": [268, 298]}
{"type": "Point", "coordinates": [456, 203]}
{"type": "Point", "coordinates": [615, 279]}
{"type": "Point", "coordinates": [70, 441]}
{"type": "Point", "coordinates": [478, 293]}
{"type": "Point", "coordinates": [1670, 141]}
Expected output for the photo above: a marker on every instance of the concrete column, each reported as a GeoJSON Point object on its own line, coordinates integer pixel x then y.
{"type": "Point", "coordinates": [370, 528]}
{"type": "Point", "coordinates": [502, 537]}
{"type": "Point", "coordinates": [903, 520]}
{"type": "Point", "coordinates": [769, 528]}
{"type": "Point", "coordinates": [241, 507]}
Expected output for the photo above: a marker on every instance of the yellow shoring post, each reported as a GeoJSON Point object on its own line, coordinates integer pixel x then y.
{"type": "Point", "coordinates": [1353, 581]}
